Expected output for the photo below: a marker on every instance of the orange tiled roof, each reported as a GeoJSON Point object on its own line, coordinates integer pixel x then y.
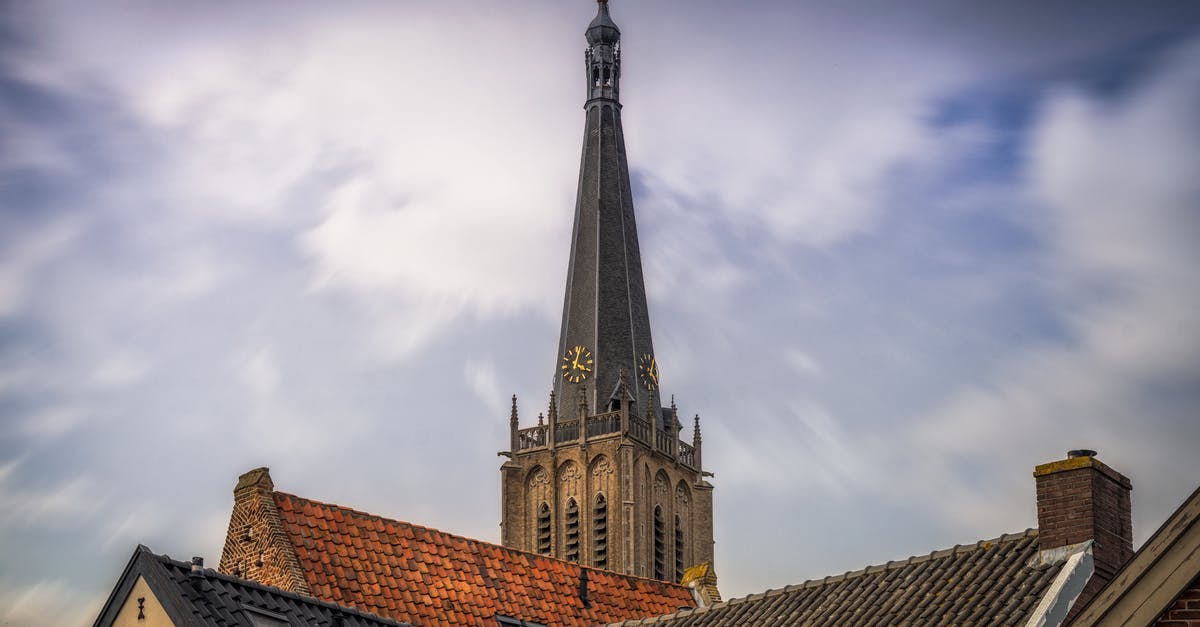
{"type": "Point", "coordinates": [430, 577]}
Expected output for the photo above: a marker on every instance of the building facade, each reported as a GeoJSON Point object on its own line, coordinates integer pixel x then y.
{"type": "Point", "coordinates": [604, 478]}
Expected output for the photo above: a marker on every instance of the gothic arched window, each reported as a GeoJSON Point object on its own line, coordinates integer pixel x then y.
{"type": "Point", "coordinates": [543, 530]}
{"type": "Point", "coordinates": [571, 551]}
{"type": "Point", "coordinates": [600, 533]}
{"type": "Point", "coordinates": [660, 544]}
{"type": "Point", "coordinates": [678, 550]}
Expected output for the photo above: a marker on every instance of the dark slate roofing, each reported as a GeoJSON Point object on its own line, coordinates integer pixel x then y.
{"type": "Point", "coordinates": [218, 599]}
{"type": "Point", "coordinates": [988, 583]}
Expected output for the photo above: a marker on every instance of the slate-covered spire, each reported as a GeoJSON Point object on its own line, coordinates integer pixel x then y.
{"type": "Point", "coordinates": [605, 325]}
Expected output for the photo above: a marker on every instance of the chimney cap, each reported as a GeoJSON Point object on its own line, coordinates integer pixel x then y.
{"type": "Point", "coordinates": [258, 479]}
{"type": "Point", "coordinates": [1080, 452]}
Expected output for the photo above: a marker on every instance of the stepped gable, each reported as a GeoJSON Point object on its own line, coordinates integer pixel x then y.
{"type": "Point", "coordinates": [430, 577]}
{"type": "Point", "coordinates": [193, 595]}
{"type": "Point", "coordinates": [993, 582]}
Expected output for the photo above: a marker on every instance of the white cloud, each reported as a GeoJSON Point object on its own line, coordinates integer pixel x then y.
{"type": "Point", "coordinates": [1117, 179]}
{"type": "Point", "coordinates": [120, 532]}
{"type": "Point", "coordinates": [802, 362]}
{"type": "Point", "coordinates": [481, 376]}
{"type": "Point", "coordinates": [54, 421]}
{"type": "Point", "coordinates": [26, 256]}
{"type": "Point", "coordinates": [55, 504]}
{"type": "Point", "coordinates": [812, 162]}
{"type": "Point", "coordinates": [47, 603]}
{"type": "Point", "coordinates": [259, 371]}
{"type": "Point", "coordinates": [119, 370]}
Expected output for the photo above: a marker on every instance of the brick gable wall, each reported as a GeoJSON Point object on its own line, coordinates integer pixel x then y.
{"type": "Point", "coordinates": [1185, 611]}
{"type": "Point", "coordinates": [256, 547]}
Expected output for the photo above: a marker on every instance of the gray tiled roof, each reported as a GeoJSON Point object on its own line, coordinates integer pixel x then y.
{"type": "Point", "coordinates": [993, 582]}
{"type": "Point", "coordinates": [217, 599]}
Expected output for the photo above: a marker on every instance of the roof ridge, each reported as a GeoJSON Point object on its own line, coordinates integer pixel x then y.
{"type": "Point", "coordinates": [476, 540]}
{"type": "Point", "coordinates": [957, 549]}
{"type": "Point", "coordinates": [250, 583]}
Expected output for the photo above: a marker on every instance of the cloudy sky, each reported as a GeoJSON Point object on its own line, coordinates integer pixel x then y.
{"type": "Point", "coordinates": [894, 261]}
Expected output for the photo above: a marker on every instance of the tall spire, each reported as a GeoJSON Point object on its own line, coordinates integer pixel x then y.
{"type": "Point", "coordinates": [605, 325]}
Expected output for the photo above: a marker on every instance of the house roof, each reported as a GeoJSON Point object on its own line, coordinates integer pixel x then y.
{"type": "Point", "coordinates": [430, 577]}
{"type": "Point", "coordinates": [993, 582]}
{"type": "Point", "coordinates": [1154, 578]}
{"type": "Point", "coordinates": [215, 599]}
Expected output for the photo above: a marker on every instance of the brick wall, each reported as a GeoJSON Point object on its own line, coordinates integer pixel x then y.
{"type": "Point", "coordinates": [256, 547]}
{"type": "Point", "coordinates": [1185, 612]}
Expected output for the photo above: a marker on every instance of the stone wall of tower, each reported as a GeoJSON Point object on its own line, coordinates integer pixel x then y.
{"type": "Point", "coordinates": [634, 481]}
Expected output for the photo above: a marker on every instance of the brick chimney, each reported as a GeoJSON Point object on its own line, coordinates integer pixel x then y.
{"type": "Point", "coordinates": [1080, 499]}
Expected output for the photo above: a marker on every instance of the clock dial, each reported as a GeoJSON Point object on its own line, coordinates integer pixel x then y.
{"type": "Point", "coordinates": [648, 368]}
{"type": "Point", "coordinates": [577, 364]}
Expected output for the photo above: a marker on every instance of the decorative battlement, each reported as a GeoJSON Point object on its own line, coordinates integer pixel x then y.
{"type": "Point", "coordinates": [601, 426]}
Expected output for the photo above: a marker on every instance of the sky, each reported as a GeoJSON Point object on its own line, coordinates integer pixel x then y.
{"type": "Point", "coordinates": [895, 259]}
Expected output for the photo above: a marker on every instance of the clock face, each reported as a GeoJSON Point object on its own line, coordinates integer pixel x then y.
{"type": "Point", "coordinates": [648, 369]}
{"type": "Point", "coordinates": [577, 364]}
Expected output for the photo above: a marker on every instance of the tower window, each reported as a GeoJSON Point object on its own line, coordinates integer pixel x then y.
{"type": "Point", "coordinates": [660, 544]}
{"type": "Point", "coordinates": [543, 530]}
{"type": "Point", "coordinates": [678, 550]}
{"type": "Point", "coordinates": [600, 532]}
{"type": "Point", "coordinates": [572, 543]}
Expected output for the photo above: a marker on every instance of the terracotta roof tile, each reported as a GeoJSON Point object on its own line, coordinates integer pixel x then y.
{"type": "Point", "coordinates": [428, 577]}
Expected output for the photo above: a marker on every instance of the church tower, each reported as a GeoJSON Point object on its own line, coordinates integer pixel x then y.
{"type": "Point", "coordinates": [603, 478]}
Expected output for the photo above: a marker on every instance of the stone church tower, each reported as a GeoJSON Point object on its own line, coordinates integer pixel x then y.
{"type": "Point", "coordinates": [603, 478]}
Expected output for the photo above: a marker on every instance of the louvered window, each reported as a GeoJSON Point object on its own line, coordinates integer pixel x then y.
{"type": "Point", "coordinates": [572, 525]}
{"type": "Point", "coordinates": [660, 545]}
{"type": "Point", "coordinates": [543, 530]}
{"type": "Point", "coordinates": [678, 550]}
{"type": "Point", "coordinates": [600, 532]}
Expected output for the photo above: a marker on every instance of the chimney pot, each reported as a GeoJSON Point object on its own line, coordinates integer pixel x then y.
{"type": "Point", "coordinates": [1081, 452]}
{"type": "Point", "coordinates": [197, 567]}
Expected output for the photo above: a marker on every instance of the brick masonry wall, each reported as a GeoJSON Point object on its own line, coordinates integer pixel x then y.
{"type": "Point", "coordinates": [1185, 612]}
{"type": "Point", "coordinates": [256, 547]}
